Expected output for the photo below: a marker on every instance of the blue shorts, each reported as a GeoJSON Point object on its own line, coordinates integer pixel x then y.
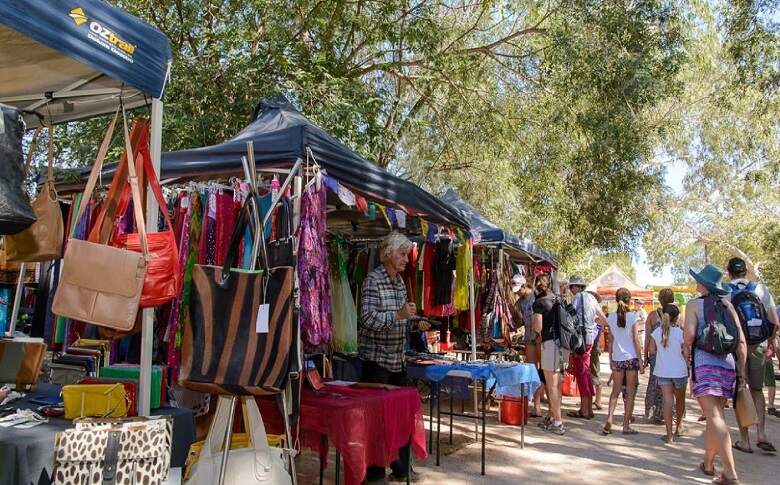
{"type": "Point", "coordinates": [677, 382]}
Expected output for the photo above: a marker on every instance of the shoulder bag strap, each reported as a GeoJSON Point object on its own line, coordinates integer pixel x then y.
{"type": "Point", "coordinates": [149, 175]}
{"type": "Point", "coordinates": [118, 192]}
{"type": "Point", "coordinates": [235, 242]}
{"type": "Point", "coordinates": [31, 149]}
{"type": "Point", "coordinates": [96, 167]}
{"type": "Point", "coordinates": [136, 191]}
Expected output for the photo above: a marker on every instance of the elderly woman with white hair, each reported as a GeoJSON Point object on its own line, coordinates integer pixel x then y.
{"type": "Point", "coordinates": [382, 335]}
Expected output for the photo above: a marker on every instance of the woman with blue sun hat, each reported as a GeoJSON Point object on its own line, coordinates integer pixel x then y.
{"type": "Point", "coordinates": [716, 377]}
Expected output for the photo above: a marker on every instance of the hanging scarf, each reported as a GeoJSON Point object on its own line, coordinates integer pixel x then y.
{"type": "Point", "coordinates": [313, 272]}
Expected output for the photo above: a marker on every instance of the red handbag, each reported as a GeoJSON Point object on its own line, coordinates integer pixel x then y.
{"type": "Point", "coordinates": [162, 280]}
{"type": "Point", "coordinates": [570, 385]}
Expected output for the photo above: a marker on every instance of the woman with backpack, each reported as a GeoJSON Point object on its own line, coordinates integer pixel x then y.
{"type": "Point", "coordinates": [544, 322]}
{"type": "Point", "coordinates": [670, 367]}
{"type": "Point", "coordinates": [624, 353]}
{"type": "Point", "coordinates": [712, 334]}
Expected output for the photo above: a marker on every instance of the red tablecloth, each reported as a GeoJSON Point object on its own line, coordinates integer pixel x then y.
{"type": "Point", "coordinates": [367, 426]}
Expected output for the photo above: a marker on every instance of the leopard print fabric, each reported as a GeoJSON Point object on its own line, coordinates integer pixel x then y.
{"type": "Point", "coordinates": [143, 457]}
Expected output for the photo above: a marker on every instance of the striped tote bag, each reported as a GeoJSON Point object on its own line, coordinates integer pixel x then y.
{"type": "Point", "coordinates": [225, 347]}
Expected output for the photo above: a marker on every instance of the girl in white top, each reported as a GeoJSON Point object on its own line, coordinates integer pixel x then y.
{"type": "Point", "coordinates": [624, 352]}
{"type": "Point", "coordinates": [671, 367]}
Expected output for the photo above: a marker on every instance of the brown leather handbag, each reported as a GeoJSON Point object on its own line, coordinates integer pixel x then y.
{"type": "Point", "coordinates": [42, 241]}
{"type": "Point", "coordinates": [101, 284]}
{"type": "Point", "coordinates": [21, 360]}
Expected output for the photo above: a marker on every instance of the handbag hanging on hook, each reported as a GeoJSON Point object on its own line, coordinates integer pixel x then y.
{"type": "Point", "coordinates": [42, 241]}
{"type": "Point", "coordinates": [101, 284]}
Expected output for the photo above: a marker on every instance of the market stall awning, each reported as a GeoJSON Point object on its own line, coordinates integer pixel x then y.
{"type": "Point", "coordinates": [613, 279]}
{"type": "Point", "coordinates": [487, 233]}
{"type": "Point", "coordinates": [281, 135]}
{"type": "Point", "coordinates": [66, 60]}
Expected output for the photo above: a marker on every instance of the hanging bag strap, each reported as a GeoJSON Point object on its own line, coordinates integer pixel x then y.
{"type": "Point", "coordinates": [118, 194]}
{"type": "Point", "coordinates": [147, 172]}
{"type": "Point", "coordinates": [31, 149]}
{"type": "Point", "coordinates": [235, 242]}
{"type": "Point", "coordinates": [96, 169]}
{"type": "Point", "coordinates": [135, 189]}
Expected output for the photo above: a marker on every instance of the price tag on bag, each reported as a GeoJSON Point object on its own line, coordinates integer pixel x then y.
{"type": "Point", "coordinates": [261, 326]}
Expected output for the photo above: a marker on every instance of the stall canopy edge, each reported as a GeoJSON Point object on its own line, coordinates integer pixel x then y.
{"type": "Point", "coordinates": [66, 60]}
{"type": "Point", "coordinates": [488, 234]}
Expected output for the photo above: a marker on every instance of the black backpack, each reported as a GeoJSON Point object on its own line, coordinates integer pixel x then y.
{"type": "Point", "coordinates": [570, 328]}
{"type": "Point", "coordinates": [719, 335]}
{"type": "Point", "coordinates": [752, 314]}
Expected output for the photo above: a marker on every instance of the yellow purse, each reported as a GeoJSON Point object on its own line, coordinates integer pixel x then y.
{"type": "Point", "coordinates": [94, 400]}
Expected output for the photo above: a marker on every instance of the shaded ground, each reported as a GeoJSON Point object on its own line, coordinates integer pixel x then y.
{"type": "Point", "coordinates": [582, 455]}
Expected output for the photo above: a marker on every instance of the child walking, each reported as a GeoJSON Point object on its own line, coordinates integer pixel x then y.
{"type": "Point", "coordinates": [671, 368]}
{"type": "Point", "coordinates": [624, 353]}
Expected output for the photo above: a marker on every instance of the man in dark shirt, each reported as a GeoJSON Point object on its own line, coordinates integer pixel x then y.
{"type": "Point", "coordinates": [545, 324]}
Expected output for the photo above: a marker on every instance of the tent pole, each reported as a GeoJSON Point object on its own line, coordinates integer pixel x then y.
{"type": "Point", "coordinates": [473, 322]}
{"type": "Point", "coordinates": [147, 329]}
{"type": "Point", "coordinates": [17, 301]}
{"type": "Point", "coordinates": [472, 314]}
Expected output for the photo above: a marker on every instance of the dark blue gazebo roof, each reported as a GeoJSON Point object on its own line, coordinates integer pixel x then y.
{"type": "Point", "coordinates": [487, 233]}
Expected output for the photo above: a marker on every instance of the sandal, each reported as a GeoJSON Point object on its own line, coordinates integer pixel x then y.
{"type": "Point", "coordinates": [606, 430]}
{"type": "Point", "coordinates": [679, 432]}
{"type": "Point", "coordinates": [703, 468]}
{"type": "Point", "coordinates": [723, 480]}
{"type": "Point", "coordinates": [738, 446]}
{"type": "Point", "coordinates": [578, 415]}
{"type": "Point", "coordinates": [630, 431]}
{"type": "Point", "coordinates": [534, 415]}
{"type": "Point", "coordinates": [598, 406]}
{"type": "Point", "coordinates": [667, 440]}
{"type": "Point", "coordinates": [766, 447]}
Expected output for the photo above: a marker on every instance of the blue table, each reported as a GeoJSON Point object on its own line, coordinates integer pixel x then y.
{"type": "Point", "coordinates": [507, 378]}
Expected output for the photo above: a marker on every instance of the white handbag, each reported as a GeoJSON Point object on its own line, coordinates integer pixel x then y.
{"type": "Point", "coordinates": [258, 464]}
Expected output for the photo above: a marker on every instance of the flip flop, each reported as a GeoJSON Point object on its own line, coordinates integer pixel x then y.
{"type": "Point", "coordinates": [534, 415]}
{"type": "Point", "coordinates": [709, 473]}
{"type": "Point", "coordinates": [606, 430]}
{"type": "Point", "coordinates": [630, 431]}
{"type": "Point", "coordinates": [598, 406]}
{"type": "Point", "coordinates": [577, 415]}
{"type": "Point", "coordinates": [723, 480]}
{"type": "Point", "coordinates": [738, 446]}
{"type": "Point", "coordinates": [766, 446]}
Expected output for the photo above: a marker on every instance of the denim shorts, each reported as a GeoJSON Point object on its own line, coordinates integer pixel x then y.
{"type": "Point", "coordinates": [677, 382]}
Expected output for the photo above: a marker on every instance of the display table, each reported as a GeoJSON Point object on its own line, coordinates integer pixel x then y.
{"type": "Point", "coordinates": [27, 455]}
{"type": "Point", "coordinates": [508, 379]}
{"type": "Point", "coordinates": [366, 426]}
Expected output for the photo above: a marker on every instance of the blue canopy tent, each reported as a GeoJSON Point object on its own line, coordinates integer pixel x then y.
{"type": "Point", "coordinates": [281, 136]}
{"type": "Point", "coordinates": [68, 60]}
{"type": "Point", "coordinates": [488, 234]}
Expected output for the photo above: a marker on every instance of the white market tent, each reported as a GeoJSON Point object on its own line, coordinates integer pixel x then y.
{"type": "Point", "coordinates": [64, 61]}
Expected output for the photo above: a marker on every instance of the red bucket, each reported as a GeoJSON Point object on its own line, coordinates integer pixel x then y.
{"type": "Point", "coordinates": [514, 411]}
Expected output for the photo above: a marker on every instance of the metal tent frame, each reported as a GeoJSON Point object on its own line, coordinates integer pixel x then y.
{"type": "Point", "coordinates": [59, 67]}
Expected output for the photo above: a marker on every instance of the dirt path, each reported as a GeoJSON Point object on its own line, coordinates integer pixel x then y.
{"type": "Point", "coordinates": [583, 456]}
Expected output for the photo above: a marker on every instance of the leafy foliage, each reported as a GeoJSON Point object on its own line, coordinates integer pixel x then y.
{"type": "Point", "coordinates": [553, 117]}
